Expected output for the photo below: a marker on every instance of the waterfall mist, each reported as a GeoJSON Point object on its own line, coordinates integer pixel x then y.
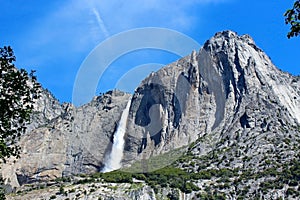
{"type": "Point", "coordinates": [113, 161]}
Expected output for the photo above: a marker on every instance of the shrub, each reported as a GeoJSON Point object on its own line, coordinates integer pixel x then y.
{"type": "Point", "coordinates": [61, 189]}
{"type": "Point", "coordinates": [92, 190]}
{"type": "Point", "coordinates": [293, 183]}
{"type": "Point", "coordinates": [117, 177]}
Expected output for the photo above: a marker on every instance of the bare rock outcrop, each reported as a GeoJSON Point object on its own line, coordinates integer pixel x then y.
{"type": "Point", "coordinates": [68, 140]}
{"type": "Point", "coordinates": [209, 91]}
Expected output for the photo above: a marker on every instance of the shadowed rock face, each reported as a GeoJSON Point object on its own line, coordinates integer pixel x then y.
{"type": "Point", "coordinates": [210, 91]}
{"type": "Point", "coordinates": [227, 89]}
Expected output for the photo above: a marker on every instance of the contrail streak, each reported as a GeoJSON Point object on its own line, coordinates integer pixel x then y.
{"type": "Point", "coordinates": [101, 23]}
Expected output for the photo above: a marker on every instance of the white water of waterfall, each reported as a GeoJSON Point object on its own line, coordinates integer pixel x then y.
{"type": "Point", "coordinates": [113, 161]}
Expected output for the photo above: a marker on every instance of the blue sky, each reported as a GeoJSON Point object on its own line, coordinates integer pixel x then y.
{"type": "Point", "coordinates": [54, 37]}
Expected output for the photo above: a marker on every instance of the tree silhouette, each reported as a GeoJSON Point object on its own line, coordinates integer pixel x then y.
{"type": "Point", "coordinates": [292, 17]}
{"type": "Point", "coordinates": [18, 91]}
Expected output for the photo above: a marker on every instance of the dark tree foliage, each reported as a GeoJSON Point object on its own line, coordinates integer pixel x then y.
{"type": "Point", "coordinates": [292, 17]}
{"type": "Point", "coordinates": [18, 91]}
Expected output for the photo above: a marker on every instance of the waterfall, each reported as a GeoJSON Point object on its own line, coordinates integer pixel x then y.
{"type": "Point", "coordinates": [113, 161]}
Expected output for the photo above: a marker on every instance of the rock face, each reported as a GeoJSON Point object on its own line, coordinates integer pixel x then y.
{"type": "Point", "coordinates": [229, 85]}
{"type": "Point", "coordinates": [46, 109]}
{"type": "Point", "coordinates": [105, 191]}
{"type": "Point", "coordinates": [65, 140]}
{"type": "Point", "coordinates": [227, 98]}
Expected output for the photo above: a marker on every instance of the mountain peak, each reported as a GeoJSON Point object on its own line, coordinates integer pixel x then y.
{"type": "Point", "coordinates": [244, 67]}
{"type": "Point", "coordinates": [229, 39]}
{"type": "Point", "coordinates": [226, 33]}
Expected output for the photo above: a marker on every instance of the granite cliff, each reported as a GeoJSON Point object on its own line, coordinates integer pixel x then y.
{"type": "Point", "coordinates": [63, 140]}
{"type": "Point", "coordinates": [226, 89]}
{"type": "Point", "coordinates": [226, 104]}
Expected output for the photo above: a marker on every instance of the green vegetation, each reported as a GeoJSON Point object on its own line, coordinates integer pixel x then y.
{"type": "Point", "coordinates": [63, 179]}
{"type": "Point", "coordinates": [168, 176]}
{"type": "Point", "coordinates": [18, 90]}
{"type": "Point", "coordinates": [17, 96]}
{"type": "Point", "coordinates": [61, 189]}
{"type": "Point", "coordinates": [216, 183]}
{"type": "Point", "coordinates": [117, 177]}
{"type": "Point", "coordinates": [211, 196]}
{"type": "Point", "coordinates": [156, 162]}
{"type": "Point", "coordinates": [275, 175]}
{"type": "Point", "coordinates": [172, 177]}
{"type": "Point", "coordinates": [211, 173]}
{"type": "Point", "coordinates": [292, 17]}
{"type": "Point", "coordinates": [53, 197]}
